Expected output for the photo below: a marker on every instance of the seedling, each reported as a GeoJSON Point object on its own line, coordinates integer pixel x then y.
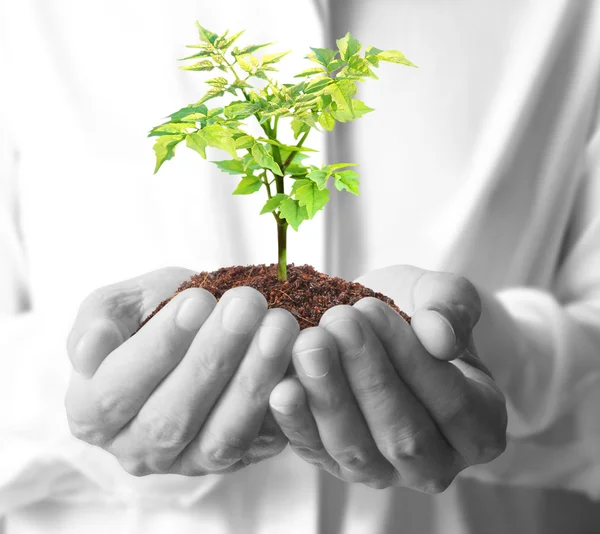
{"type": "Point", "coordinates": [323, 95]}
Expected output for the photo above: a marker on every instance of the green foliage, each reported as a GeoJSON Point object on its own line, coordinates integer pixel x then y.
{"type": "Point", "coordinates": [323, 96]}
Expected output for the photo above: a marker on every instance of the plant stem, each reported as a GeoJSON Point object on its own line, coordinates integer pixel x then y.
{"type": "Point", "coordinates": [281, 249]}
{"type": "Point", "coordinates": [293, 154]}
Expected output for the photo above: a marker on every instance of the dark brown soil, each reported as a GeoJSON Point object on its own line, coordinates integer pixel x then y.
{"type": "Point", "coordinates": [307, 293]}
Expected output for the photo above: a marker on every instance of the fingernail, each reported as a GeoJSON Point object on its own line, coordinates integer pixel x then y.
{"type": "Point", "coordinates": [239, 316]}
{"type": "Point", "coordinates": [315, 363]}
{"type": "Point", "coordinates": [349, 334]}
{"type": "Point", "coordinates": [192, 314]}
{"type": "Point", "coordinates": [272, 340]}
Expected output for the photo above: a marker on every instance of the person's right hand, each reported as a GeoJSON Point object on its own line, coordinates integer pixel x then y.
{"type": "Point", "coordinates": [188, 393]}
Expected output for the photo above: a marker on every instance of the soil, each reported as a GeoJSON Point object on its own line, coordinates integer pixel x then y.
{"type": "Point", "coordinates": [306, 294]}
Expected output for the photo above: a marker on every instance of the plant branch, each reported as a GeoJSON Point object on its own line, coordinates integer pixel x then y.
{"type": "Point", "coordinates": [293, 154]}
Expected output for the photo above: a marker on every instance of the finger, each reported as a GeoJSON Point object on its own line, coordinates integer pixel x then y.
{"type": "Point", "coordinates": [101, 406]}
{"type": "Point", "coordinates": [342, 427]}
{"type": "Point", "coordinates": [291, 412]}
{"type": "Point", "coordinates": [464, 409]}
{"type": "Point", "coordinates": [174, 413]}
{"type": "Point", "coordinates": [269, 442]}
{"type": "Point", "coordinates": [400, 425]}
{"type": "Point", "coordinates": [447, 307]}
{"type": "Point", "coordinates": [110, 315]}
{"type": "Point", "coordinates": [234, 422]}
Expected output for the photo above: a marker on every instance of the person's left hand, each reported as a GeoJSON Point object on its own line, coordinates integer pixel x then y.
{"type": "Point", "coordinates": [380, 402]}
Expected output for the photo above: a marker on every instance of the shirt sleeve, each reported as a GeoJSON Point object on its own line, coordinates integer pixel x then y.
{"type": "Point", "coordinates": [553, 388]}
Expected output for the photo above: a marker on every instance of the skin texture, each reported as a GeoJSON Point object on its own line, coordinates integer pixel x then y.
{"type": "Point", "coordinates": [188, 394]}
{"type": "Point", "coordinates": [391, 405]}
{"type": "Point", "coordinates": [373, 401]}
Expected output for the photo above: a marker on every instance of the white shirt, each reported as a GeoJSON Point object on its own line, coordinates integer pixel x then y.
{"type": "Point", "coordinates": [484, 161]}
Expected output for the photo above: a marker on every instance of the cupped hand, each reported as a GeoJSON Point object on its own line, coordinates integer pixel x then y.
{"type": "Point", "coordinates": [188, 393]}
{"type": "Point", "coordinates": [380, 402]}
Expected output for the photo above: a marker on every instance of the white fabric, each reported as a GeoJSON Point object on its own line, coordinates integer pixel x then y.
{"type": "Point", "coordinates": [485, 161]}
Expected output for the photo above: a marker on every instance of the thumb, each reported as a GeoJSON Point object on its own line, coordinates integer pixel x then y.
{"type": "Point", "coordinates": [446, 309]}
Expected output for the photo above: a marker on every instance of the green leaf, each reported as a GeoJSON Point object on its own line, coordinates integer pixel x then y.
{"type": "Point", "coordinates": [164, 148]}
{"type": "Point", "coordinates": [395, 56]}
{"type": "Point", "coordinates": [336, 166]}
{"type": "Point", "coordinates": [196, 142]}
{"type": "Point", "coordinates": [289, 148]}
{"type": "Point", "coordinates": [360, 67]}
{"type": "Point", "coordinates": [298, 183]}
{"type": "Point", "coordinates": [265, 159]}
{"type": "Point", "coordinates": [327, 121]}
{"type": "Point", "coordinates": [219, 82]}
{"type": "Point", "coordinates": [360, 108]}
{"type": "Point", "coordinates": [324, 56]}
{"type": "Point", "coordinates": [335, 65]}
{"type": "Point", "coordinates": [347, 180]}
{"type": "Point", "coordinates": [348, 46]}
{"type": "Point", "coordinates": [203, 53]}
{"type": "Point", "coordinates": [292, 212]}
{"type": "Point", "coordinates": [312, 197]}
{"type": "Point", "coordinates": [189, 110]}
{"type": "Point", "coordinates": [240, 84]}
{"type": "Point", "coordinates": [269, 59]}
{"type": "Point", "coordinates": [170, 128]}
{"type": "Point", "coordinates": [240, 110]}
{"type": "Point", "coordinates": [317, 85]}
{"type": "Point", "coordinates": [248, 49]}
{"type": "Point", "coordinates": [247, 63]}
{"type": "Point", "coordinates": [299, 128]}
{"type": "Point", "coordinates": [214, 92]}
{"type": "Point", "coordinates": [217, 136]}
{"type": "Point", "coordinates": [223, 43]}
{"type": "Point", "coordinates": [231, 166]}
{"type": "Point", "coordinates": [246, 141]}
{"type": "Point", "coordinates": [204, 65]}
{"type": "Point", "coordinates": [310, 72]}
{"type": "Point", "coordinates": [371, 55]}
{"type": "Point", "coordinates": [248, 185]}
{"type": "Point", "coordinates": [319, 177]}
{"type": "Point", "coordinates": [205, 35]}
{"type": "Point", "coordinates": [273, 203]}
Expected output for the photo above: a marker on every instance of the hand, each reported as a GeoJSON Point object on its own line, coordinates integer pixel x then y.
{"type": "Point", "coordinates": [375, 402]}
{"type": "Point", "coordinates": [188, 393]}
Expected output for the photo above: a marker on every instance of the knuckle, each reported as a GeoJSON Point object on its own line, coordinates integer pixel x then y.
{"type": "Point", "coordinates": [409, 447]}
{"type": "Point", "coordinates": [253, 387]}
{"type": "Point", "coordinates": [489, 441]}
{"type": "Point", "coordinates": [81, 425]}
{"type": "Point", "coordinates": [110, 405]}
{"type": "Point", "coordinates": [330, 401]}
{"type": "Point", "coordinates": [494, 442]}
{"type": "Point", "coordinates": [213, 364]}
{"type": "Point", "coordinates": [470, 293]}
{"type": "Point", "coordinates": [164, 433]}
{"type": "Point", "coordinates": [313, 456]}
{"type": "Point", "coordinates": [437, 485]}
{"type": "Point", "coordinates": [135, 467]}
{"type": "Point", "coordinates": [376, 386]}
{"type": "Point", "coordinates": [352, 458]}
{"type": "Point", "coordinates": [378, 483]}
{"type": "Point", "coordinates": [223, 452]}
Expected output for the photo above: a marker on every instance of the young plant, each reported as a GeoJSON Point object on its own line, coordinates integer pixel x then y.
{"type": "Point", "coordinates": [324, 96]}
